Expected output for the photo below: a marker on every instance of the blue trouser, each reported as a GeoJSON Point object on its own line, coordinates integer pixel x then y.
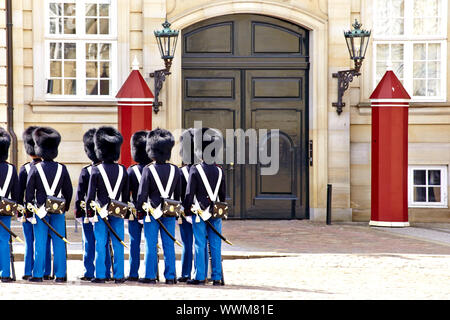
{"type": "Point", "coordinates": [41, 231]}
{"type": "Point", "coordinates": [89, 249]}
{"type": "Point", "coordinates": [5, 258]}
{"type": "Point", "coordinates": [201, 230]}
{"type": "Point", "coordinates": [102, 235]}
{"type": "Point", "coordinates": [151, 239]}
{"type": "Point", "coordinates": [187, 237]}
{"type": "Point", "coordinates": [28, 234]}
{"type": "Point", "coordinates": [135, 232]}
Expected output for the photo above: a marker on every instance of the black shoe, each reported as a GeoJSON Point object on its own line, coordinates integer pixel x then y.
{"type": "Point", "coordinates": [147, 281]}
{"type": "Point", "coordinates": [34, 279]}
{"type": "Point", "coordinates": [119, 280]}
{"type": "Point", "coordinates": [109, 279]}
{"type": "Point", "coordinates": [26, 277]}
{"type": "Point", "coordinates": [171, 281]}
{"type": "Point", "coordinates": [84, 278]}
{"type": "Point", "coordinates": [218, 283]}
{"type": "Point", "coordinates": [7, 279]}
{"type": "Point", "coordinates": [132, 279]}
{"type": "Point", "coordinates": [49, 277]}
{"type": "Point", "coordinates": [195, 282]}
{"type": "Point", "coordinates": [97, 280]}
{"type": "Point", "coordinates": [183, 279]}
{"type": "Point", "coordinates": [61, 279]}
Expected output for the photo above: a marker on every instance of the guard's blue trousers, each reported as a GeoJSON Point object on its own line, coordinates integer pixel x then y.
{"type": "Point", "coordinates": [135, 232]}
{"type": "Point", "coordinates": [28, 234]}
{"type": "Point", "coordinates": [102, 234]}
{"type": "Point", "coordinates": [88, 249]}
{"type": "Point", "coordinates": [151, 230]}
{"type": "Point", "coordinates": [41, 231]}
{"type": "Point", "coordinates": [201, 230]}
{"type": "Point", "coordinates": [187, 237]}
{"type": "Point", "coordinates": [5, 258]}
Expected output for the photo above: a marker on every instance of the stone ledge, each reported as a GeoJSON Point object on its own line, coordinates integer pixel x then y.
{"type": "Point", "coordinates": [73, 107]}
{"type": "Point", "coordinates": [415, 108]}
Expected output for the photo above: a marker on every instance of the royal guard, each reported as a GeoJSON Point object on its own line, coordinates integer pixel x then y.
{"type": "Point", "coordinates": [108, 194]}
{"type": "Point", "coordinates": [9, 195]}
{"type": "Point", "coordinates": [80, 211]}
{"type": "Point", "coordinates": [138, 145]}
{"type": "Point", "coordinates": [48, 193]}
{"type": "Point", "coordinates": [161, 185]}
{"type": "Point", "coordinates": [204, 191]}
{"type": "Point", "coordinates": [188, 157]}
{"type": "Point", "coordinates": [29, 219]}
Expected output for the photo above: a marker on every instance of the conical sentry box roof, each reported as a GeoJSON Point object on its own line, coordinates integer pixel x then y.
{"type": "Point", "coordinates": [389, 88]}
{"type": "Point", "coordinates": [135, 88]}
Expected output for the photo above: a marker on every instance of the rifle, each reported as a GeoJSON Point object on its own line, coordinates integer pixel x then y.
{"type": "Point", "coordinates": [35, 210]}
{"type": "Point", "coordinates": [148, 208]}
{"type": "Point", "coordinates": [96, 207]}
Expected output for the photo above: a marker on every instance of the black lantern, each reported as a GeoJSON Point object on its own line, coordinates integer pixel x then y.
{"type": "Point", "coordinates": [357, 41]}
{"type": "Point", "coordinates": [167, 43]}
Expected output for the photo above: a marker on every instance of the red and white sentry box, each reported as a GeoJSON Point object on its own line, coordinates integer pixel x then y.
{"type": "Point", "coordinates": [134, 104]}
{"type": "Point", "coordinates": [390, 104]}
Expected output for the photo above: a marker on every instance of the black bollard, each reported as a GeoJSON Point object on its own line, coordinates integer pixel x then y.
{"type": "Point", "coordinates": [329, 189]}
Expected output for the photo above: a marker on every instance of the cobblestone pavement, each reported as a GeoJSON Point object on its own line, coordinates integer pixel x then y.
{"type": "Point", "coordinates": [304, 260]}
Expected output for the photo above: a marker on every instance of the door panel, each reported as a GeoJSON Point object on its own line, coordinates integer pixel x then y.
{"type": "Point", "coordinates": [245, 72]}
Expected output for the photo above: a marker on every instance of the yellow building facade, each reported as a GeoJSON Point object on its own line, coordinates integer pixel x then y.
{"type": "Point", "coordinates": [71, 57]}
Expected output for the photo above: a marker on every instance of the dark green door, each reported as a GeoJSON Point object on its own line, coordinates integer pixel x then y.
{"type": "Point", "coordinates": [251, 72]}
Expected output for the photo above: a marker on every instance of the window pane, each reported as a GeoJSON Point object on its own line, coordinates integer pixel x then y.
{"type": "Point", "coordinates": [70, 51]}
{"type": "Point", "coordinates": [55, 26]}
{"type": "Point", "coordinates": [419, 177]}
{"type": "Point", "coordinates": [104, 67]}
{"type": "Point", "coordinates": [419, 70]}
{"type": "Point", "coordinates": [433, 88]}
{"type": "Point", "coordinates": [91, 87]}
{"type": "Point", "coordinates": [382, 52]}
{"type": "Point", "coordinates": [434, 194]}
{"type": "Point", "coordinates": [70, 69]}
{"type": "Point", "coordinates": [104, 10]}
{"type": "Point", "coordinates": [55, 69]}
{"type": "Point", "coordinates": [55, 50]}
{"type": "Point", "coordinates": [55, 9]}
{"type": "Point", "coordinates": [434, 177]}
{"type": "Point", "coordinates": [434, 69]}
{"type": "Point", "coordinates": [69, 9]}
{"type": "Point", "coordinates": [91, 51]}
{"type": "Point", "coordinates": [91, 26]}
{"type": "Point", "coordinates": [104, 51]}
{"type": "Point", "coordinates": [91, 10]}
{"type": "Point", "coordinates": [398, 69]}
{"type": "Point", "coordinates": [420, 194]}
{"type": "Point", "coordinates": [419, 87]}
{"type": "Point", "coordinates": [70, 87]}
{"type": "Point", "coordinates": [70, 26]}
{"type": "Point", "coordinates": [420, 52]}
{"type": "Point", "coordinates": [91, 70]}
{"type": "Point", "coordinates": [104, 26]}
{"type": "Point", "coordinates": [104, 87]}
{"type": "Point", "coordinates": [397, 52]}
{"type": "Point", "coordinates": [434, 51]}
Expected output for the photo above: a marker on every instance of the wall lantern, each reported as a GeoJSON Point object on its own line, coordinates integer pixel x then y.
{"type": "Point", "coordinates": [167, 43]}
{"type": "Point", "coordinates": [357, 41]}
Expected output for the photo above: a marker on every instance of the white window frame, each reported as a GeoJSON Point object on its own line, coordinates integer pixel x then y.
{"type": "Point", "coordinates": [443, 186]}
{"type": "Point", "coordinates": [80, 39]}
{"type": "Point", "coordinates": [408, 39]}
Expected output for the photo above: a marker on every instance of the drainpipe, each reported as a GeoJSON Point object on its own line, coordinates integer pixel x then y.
{"type": "Point", "coordinates": [10, 84]}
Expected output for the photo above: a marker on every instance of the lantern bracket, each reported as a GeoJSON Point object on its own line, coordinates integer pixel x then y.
{"type": "Point", "coordinates": [160, 77]}
{"type": "Point", "coordinates": [344, 78]}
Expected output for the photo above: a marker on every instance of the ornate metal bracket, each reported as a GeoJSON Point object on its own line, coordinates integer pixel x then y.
{"type": "Point", "coordinates": [344, 79]}
{"type": "Point", "coordinates": [160, 77]}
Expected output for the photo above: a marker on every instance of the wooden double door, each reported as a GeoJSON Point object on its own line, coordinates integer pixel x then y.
{"type": "Point", "coordinates": [251, 72]}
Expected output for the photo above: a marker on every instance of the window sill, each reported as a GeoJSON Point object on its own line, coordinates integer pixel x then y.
{"type": "Point", "coordinates": [415, 108]}
{"type": "Point", "coordinates": [73, 107]}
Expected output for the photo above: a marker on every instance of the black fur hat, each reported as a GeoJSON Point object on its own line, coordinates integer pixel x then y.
{"type": "Point", "coordinates": [89, 145]}
{"type": "Point", "coordinates": [205, 137]}
{"type": "Point", "coordinates": [28, 141]}
{"type": "Point", "coordinates": [108, 141]}
{"type": "Point", "coordinates": [187, 151]}
{"type": "Point", "coordinates": [46, 142]}
{"type": "Point", "coordinates": [159, 144]}
{"type": "Point", "coordinates": [5, 142]}
{"type": "Point", "coordinates": [138, 145]}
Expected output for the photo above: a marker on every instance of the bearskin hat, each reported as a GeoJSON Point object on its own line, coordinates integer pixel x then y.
{"type": "Point", "coordinates": [5, 142]}
{"type": "Point", "coordinates": [108, 141]}
{"type": "Point", "coordinates": [46, 142]}
{"type": "Point", "coordinates": [89, 145]}
{"type": "Point", "coordinates": [138, 145]}
{"type": "Point", "coordinates": [28, 141]}
{"type": "Point", "coordinates": [159, 144]}
{"type": "Point", "coordinates": [205, 137]}
{"type": "Point", "coordinates": [187, 151]}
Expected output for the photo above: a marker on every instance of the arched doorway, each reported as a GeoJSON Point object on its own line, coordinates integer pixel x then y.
{"type": "Point", "coordinates": [251, 72]}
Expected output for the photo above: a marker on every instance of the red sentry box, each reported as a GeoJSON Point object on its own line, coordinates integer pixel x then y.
{"type": "Point", "coordinates": [389, 190]}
